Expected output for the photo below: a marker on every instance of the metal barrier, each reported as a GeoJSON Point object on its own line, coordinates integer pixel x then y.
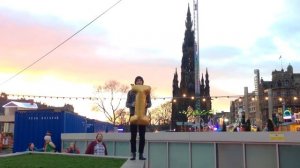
{"type": "Point", "coordinates": [205, 149]}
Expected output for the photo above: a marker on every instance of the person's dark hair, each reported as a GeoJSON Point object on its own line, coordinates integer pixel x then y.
{"type": "Point", "coordinates": [99, 134]}
{"type": "Point", "coordinates": [138, 77]}
{"type": "Point", "coordinates": [48, 133]}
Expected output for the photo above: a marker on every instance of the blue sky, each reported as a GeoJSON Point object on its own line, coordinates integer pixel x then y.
{"type": "Point", "coordinates": [143, 38]}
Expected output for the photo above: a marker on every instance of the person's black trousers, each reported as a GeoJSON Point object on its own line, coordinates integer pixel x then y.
{"type": "Point", "coordinates": [133, 129]}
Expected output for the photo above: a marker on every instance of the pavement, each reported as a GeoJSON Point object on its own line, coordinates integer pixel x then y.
{"type": "Point", "coordinates": [134, 164]}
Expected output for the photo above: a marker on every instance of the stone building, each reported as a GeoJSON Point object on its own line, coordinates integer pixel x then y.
{"type": "Point", "coordinates": [271, 98]}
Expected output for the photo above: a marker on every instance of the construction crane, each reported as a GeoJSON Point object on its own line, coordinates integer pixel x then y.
{"type": "Point", "coordinates": [196, 55]}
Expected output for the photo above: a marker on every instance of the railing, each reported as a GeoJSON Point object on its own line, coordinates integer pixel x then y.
{"type": "Point", "coordinates": [205, 149]}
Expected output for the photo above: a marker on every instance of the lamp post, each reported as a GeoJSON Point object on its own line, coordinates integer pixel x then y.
{"type": "Point", "coordinates": [283, 103]}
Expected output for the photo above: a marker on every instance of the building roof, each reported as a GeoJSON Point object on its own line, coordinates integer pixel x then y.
{"type": "Point", "coordinates": [20, 105]}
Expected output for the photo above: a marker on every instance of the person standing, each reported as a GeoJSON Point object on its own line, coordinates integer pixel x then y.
{"type": "Point", "coordinates": [49, 145]}
{"type": "Point", "coordinates": [270, 125]}
{"type": "Point", "coordinates": [97, 147]}
{"type": "Point", "coordinates": [248, 125]}
{"type": "Point", "coordinates": [130, 103]}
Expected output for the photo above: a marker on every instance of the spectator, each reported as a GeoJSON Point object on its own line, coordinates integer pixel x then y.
{"type": "Point", "coordinates": [224, 127]}
{"type": "Point", "coordinates": [257, 129]}
{"type": "Point", "coordinates": [270, 125]}
{"type": "Point", "coordinates": [32, 148]}
{"type": "Point", "coordinates": [235, 129]}
{"type": "Point", "coordinates": [72, 149]}
{"type": "Point", "coordinates": [248, 125]}
{"type": "Point", "coordinates": [97, 147]}
{"type": "Point", "coordinates": [49, 145]}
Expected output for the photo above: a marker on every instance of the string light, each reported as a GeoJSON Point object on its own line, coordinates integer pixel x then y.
{"type": "Point", "coordinates": [174, 99]}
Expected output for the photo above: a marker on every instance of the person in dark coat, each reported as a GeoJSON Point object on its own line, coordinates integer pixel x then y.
{"type": "Point", "coordinates": [248, 125]}
{"type": "Point", "coordinates": [130, 103]}
{"type": "Point", "coordinates": [270, 125]}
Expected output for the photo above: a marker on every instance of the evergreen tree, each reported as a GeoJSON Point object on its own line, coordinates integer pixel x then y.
{"type": "Point", "coordinates": [174, 114]}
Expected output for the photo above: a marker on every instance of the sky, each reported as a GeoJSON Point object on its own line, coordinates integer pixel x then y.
{"type": "Point", "coordinates": [141, 37]}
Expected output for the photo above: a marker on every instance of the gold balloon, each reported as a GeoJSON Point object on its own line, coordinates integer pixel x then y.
{"type": "Point", "coordinates": [139, 116]}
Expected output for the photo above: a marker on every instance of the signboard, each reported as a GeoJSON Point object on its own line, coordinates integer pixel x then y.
{"type": "Point", "coordinates": [276, 136]}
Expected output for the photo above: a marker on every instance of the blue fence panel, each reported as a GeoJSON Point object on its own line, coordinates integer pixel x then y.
{"type": "Point", "coordinates": [32, 125]}
{"type": "Point", "coordinates": [90, 125]}
{"type": "Point", "coordinates": [99, 126]}
{"type": "Point", "coordinates": [109, 127]}
{"type": "Point", "coordinates": [74, 123]}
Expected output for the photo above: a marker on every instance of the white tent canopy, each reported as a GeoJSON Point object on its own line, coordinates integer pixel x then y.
{"type": "Point", "coordinates": [24, 105]}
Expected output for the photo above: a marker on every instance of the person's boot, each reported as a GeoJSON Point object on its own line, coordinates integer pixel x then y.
{"type": "Point", "coordinates": [141, 157]}
{"type": "Point", "coordinates": [133, 156]}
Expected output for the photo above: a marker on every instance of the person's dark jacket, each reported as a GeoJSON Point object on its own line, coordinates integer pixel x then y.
{"type": "Point", "coordinates": [270, 125]}
{"type": "Point", "coordinates": [131, 99]}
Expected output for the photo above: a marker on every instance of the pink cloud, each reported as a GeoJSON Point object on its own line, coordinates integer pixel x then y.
{"type": "Point", "coordinates": [25, 41]}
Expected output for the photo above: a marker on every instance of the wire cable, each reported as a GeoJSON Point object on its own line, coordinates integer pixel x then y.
{"type": "Point", "coordinates": [49, 52]}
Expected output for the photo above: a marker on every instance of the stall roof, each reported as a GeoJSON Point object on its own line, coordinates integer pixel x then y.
{"type": "Point", "coordinates": [20, 105]}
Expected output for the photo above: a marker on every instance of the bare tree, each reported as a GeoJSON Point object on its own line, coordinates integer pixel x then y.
{"type": "Point", "coordinates": [109, 99]}
{"type": "Point", "coordinates": [161, 115]}
{"type": "Point", "coordinates": [124, 117]}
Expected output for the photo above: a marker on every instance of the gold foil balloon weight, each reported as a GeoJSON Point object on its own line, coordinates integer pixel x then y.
{"type": "Point", "coordinates": [139, 116]}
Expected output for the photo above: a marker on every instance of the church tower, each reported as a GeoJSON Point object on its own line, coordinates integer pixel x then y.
{"type": "Point", "coordinates": [184, 95]}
